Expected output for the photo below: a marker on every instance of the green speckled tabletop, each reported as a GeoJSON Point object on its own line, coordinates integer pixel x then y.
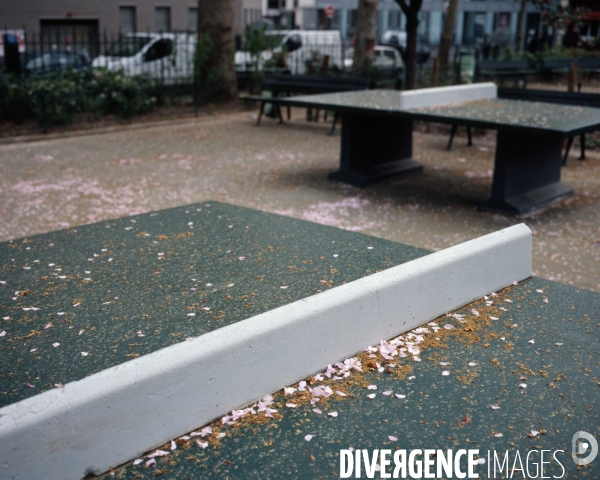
{"type": "Point", "coordinates": [493, 113]}
{"type": "Point", "coordinates": [526, 382]}
{"type": "Point", "coordinates": [74, 302]}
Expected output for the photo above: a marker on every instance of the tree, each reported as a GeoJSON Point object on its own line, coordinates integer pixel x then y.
{"type": "Point", "coordinates": [366, 35]}
{"type": "Point", "coordinates": [521, 25]}
{"type": "Point", "coordinates": [411, 9]}
{"type": "Point", "coordinates": [447, 35]}
{"type": "Point", "coordinates": [216, 37]}
{"type": "Point", "coordinates": [553, 13]}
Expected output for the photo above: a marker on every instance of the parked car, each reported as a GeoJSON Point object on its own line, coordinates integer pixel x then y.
{"type": "Point", "coordinates": [165, 56]}
{"type": "Point", "coordinates": [386, 59]}
{"type": "Point", "coordinates": [398, 40]}
{"type": "Point", "coordinates": [298, 51]}
{"type": "Point", "coordinates": [57, 60]}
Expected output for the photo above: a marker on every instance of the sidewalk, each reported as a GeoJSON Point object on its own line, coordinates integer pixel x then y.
{"type": "Point", "coordinates": [64, 182]}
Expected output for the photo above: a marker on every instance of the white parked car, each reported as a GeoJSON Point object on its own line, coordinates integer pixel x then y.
{"type": "Point", "coordinates": [165, 56]}
{"type": "Point", "coordinates": [386, 58]}
{"type": "Point", "coordinates": [300, 47]}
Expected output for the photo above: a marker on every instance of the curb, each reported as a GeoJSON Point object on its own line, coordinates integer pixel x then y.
{"type": "Point", "coordinates": [118, 128]}
{"type": "Point", "coordinates": [115, 415]}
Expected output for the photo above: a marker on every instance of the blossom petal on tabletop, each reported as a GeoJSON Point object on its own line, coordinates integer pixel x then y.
{"type": "Point", "coordinates": [308, 438]}
{"type": "Point", "coordinates": [55, 344]}
{"type": "Point", "coordinates": [291, 405]}
{"type": "Point", "coordinates": [472, 364]}
{"type": "Point", "coordinates": [138, 461]}
{"type": "Point", "coordinates": [201, 444]}
{"type": "Point", "coordinates": [495, 407]}
{"type": "Point", "coordinates": [523, 385]}
{"type": "Point", "coordinates": [400, 396]}
{"type": "Point", "coordinates": [494, 318]}
{"type": "Point", "coordinates": [445, 373]}
{"type": "Point", "coordinates": [531, 341]}
{"type": "Point", "coordinates": [372, 387]}
{"type": "Point", "coordinates": [173, 445]}
{"type": "Point", "coordinates": [341, 394]}
{"type": "Point", "coordinates": [317, 410]}
{"type": "Point", "coordinates": [388, 392]}
{"type": "Point", "coordinates": [150, 462]}
{"type": "Point", "coordinates": [371, 396]}
{"type": "Point", "coordinates": [84, 354]}
{"type": "Point", "coordinates": [158, 453]}
{"type": "Point", "coordinates": [333, 414]}
{"type": "Point", "coordinates": [392, 438]}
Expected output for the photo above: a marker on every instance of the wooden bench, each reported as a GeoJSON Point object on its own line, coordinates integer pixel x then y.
{"type": "Point", "coordinates": [588, 65]}
{"type": "Point", "coordinates": [555, 66]}
{"type": "Point", "coordinates": [551, 96]}
{"type": "Point", "coordinates": [500, 69]}
{"type": "Point", "coordinates": [285, 84]}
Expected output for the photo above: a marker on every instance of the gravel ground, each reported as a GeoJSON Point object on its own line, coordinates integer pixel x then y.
{"type": "Point", "coordinates": [53, 184]}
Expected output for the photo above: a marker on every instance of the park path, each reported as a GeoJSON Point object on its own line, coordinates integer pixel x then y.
{"type": "Point", "coordinates": [65, 182]}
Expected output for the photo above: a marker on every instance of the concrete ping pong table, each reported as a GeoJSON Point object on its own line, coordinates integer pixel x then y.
{"type": "Point", "coordinates": [377, 137]}
{"type": "Point", "coordinates": [127, 335]}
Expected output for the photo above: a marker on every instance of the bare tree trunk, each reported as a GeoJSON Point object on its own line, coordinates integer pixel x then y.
{"type": "Point", "coordinates": [521, 26]}
{"type": "Point", "coordinates": [216, 18]}
{"type": "Point", "coordinates": [411, 10]}
{"type": "Point", "coordinates": [447, 36]}
{"type": "Point", "coordinates": [366, 36]}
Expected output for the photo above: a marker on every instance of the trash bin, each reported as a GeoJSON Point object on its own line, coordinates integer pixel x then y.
{"type": "Point", "coordinates": [12, 60]}
{"type": "Point", "coordinates": [467, 66]}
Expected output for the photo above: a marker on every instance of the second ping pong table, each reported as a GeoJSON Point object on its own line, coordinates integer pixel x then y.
{"type": "Point", "coordinates": [377, 141]}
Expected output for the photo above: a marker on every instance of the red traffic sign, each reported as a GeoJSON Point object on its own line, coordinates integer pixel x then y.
{"type": "Point", "coordinates": [329, 11]}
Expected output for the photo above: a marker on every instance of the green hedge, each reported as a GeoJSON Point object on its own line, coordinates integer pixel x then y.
{"type": "Point", "coordinates": [56, 98]}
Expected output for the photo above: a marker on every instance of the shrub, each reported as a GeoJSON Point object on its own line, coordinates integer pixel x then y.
{"type": "Point", "coordinates": [56, 98]}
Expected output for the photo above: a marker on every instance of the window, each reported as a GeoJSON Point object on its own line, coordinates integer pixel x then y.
{"type": "Point", "coordinates": [127, 22]}
{"type": "Point", "coordinates": [193, 19]}
{"type": "Point", "coordinates": [159, 49]}
{"type": "Point", "coordinates": [293, 43]}
{"type": "Point", "coordinates": [162, 17]}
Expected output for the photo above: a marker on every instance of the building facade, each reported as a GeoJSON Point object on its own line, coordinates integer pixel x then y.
{"type": "Point", "coordinates": [496, 18]}
{"type": "Point", "coordinates": [83, 21]}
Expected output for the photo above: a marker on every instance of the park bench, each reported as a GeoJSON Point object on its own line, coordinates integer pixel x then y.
{"type": "Point", "coordinates": [551, 96]}
{"type": "Point", "coordinates": [288, 85]}
{"type": "Point", "coordinates": [500, 69]}
{"type": "Point", "coordinates": [588, 65]}
{"type": "Point", "coordinates": [557, 66]}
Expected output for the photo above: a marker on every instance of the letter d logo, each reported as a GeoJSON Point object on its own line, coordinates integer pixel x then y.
{"type": "Point", "coordinates": [581, 443]}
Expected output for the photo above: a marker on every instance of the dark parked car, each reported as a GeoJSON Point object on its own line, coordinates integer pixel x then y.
{"type": "Point", "coordinates": [57, 60]}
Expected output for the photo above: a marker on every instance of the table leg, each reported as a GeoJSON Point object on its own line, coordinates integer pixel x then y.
{"type": "Point", "coordinates": [526, 173]}
{"type": "Point", "coordinates": [374, 148]}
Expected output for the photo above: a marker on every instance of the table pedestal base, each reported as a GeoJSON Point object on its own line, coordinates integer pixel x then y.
{"type": "Point", "coordinates": [526, 173]}
{"type": "Point", "coordinates": [374, 148]}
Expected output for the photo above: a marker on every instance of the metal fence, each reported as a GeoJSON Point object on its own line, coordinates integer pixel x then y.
{"type": "Point", "coordinates": [169, 57]}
